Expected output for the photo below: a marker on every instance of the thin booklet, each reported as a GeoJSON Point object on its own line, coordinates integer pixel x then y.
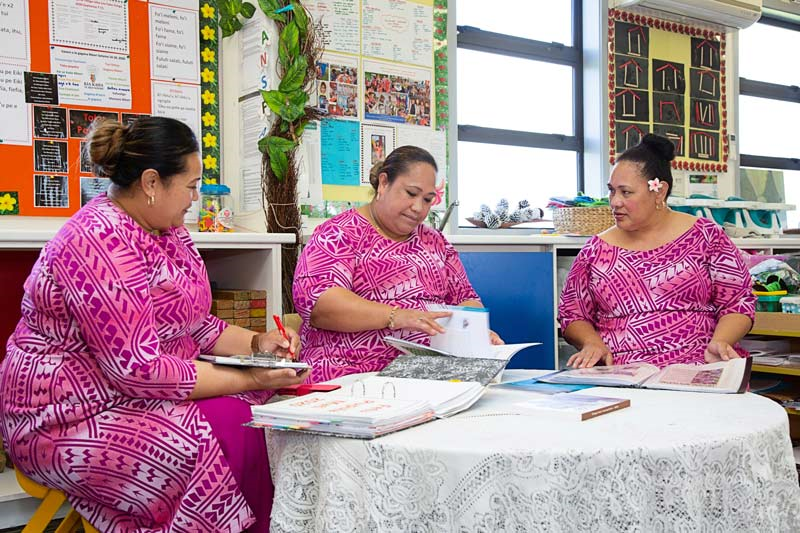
{"type": "Point", "coordinates": [723, 377]}
{"type": "Point", "coordinates": [576, 406]}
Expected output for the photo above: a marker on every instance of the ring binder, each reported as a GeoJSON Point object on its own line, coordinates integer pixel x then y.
{"type": "Point", "coordinates": [353, 390]}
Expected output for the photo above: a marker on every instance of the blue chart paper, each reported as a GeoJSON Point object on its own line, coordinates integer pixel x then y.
{"type": "Point", "coordinates": [341, 152]}
{"type": "Point", "coordinates": [545, 388]}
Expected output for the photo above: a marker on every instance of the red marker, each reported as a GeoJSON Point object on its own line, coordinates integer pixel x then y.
{"type": "Point", "coordinates": [278, 323]}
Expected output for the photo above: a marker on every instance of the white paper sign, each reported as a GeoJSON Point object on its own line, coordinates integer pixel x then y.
{"type": "Point", "coordinates": [174, 44]}
{"type": "Point", "coordinates": [14, 38]}
{"type": "Point", "coordinates": [397, 31]}
{"type": "Point", "coordinates": [91, 78]}
{"type": "Point", "coordinates": [340, 24]}
{"type": "Point", "coordinates": [15, 116]}
{"type": "Point", "coordinates": [94, 24]}
{"type": "Point", "coordinates": [181, 102]}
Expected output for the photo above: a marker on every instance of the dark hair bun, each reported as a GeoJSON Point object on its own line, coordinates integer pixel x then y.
{"type": "Point", "coordinates": [661, 146]}
{"type": "Point", "coordinates": [375, 172]}
{"type": "Point", "coordinates": [104, 146]}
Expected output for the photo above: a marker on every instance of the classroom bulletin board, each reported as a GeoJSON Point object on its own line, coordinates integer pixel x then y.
{"type": "Point", "coordinates": [381, 83]}
{"type": "Point", "coordinates": [65, 63]}
{"type": "Point", "coordinates": [668, 78]}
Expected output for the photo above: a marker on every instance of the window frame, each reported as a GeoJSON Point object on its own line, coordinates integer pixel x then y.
{"type": "Point", "coordinates": [771, 91]}
{"type": "Point", "coordinates": [472, 38]}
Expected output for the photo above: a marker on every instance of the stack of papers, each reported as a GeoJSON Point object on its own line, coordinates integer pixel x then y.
{"type": "Point", "coordinates": [340, 415]}
{"type": "Point", "coordinates": [370, 407]}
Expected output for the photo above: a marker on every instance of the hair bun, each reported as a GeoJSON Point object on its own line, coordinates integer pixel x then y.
{"type": "Point", "coordinates": [105, 144]}
{"type": "Point", "coordinates": [661, 146]}
{"type": "Point", "coordinates": [375, 172]}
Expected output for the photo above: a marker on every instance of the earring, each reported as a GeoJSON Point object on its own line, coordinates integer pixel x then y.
{"type": "Point", "coordinates": [659, 204]}
{"type": "Point", "coordinates": [151, 200]}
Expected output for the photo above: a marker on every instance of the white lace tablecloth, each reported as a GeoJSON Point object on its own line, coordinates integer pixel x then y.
{"type": "Point", "coordinates": [671, 462]}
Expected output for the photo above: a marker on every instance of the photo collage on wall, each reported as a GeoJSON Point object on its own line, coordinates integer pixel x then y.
{"type": "Point", "coordinates": [668, 79]}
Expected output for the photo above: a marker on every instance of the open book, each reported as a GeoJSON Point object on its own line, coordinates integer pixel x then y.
{"type": "Point", "coordinates": [411, 390]}
{"type": "Point", "coordinates": [722, 377]}
{"type": "Point", "coordinates": [502, 351]}
{"type": "Point", "coordinates": [369, 407]}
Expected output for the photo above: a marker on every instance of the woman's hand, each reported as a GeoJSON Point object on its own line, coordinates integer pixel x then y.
{"type": "Point", "coordinates": [424, 321]}
{"type": "Point", "coordinates": [274, 342]}
{"type": "Point", "coordinates": [590, 355]}
{"type": "Point", "coordinates": [719, 351]}
{"type": "Point", "coordinates": [272, 378]}
{"type": "Point", "coordinates": [495, 339]}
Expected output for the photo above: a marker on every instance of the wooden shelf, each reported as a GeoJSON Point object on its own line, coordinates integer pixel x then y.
{"type": "Point", "coordinates": [777, 324]}
{"type": "Point", "coordinates": [789, 370]}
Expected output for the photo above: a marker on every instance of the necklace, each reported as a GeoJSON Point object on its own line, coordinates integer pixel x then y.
{"type": "Point", "coordinates": [383, 230]}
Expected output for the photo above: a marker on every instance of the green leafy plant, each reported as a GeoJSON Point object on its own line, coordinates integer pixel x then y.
{"type": "Point", "coordinates": [299, 49]}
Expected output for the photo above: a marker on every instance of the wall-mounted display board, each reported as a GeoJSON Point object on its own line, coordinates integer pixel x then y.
{"type": "Point", "coordinates": [667, 78]}
{"type": "Point", "coordinates": [382, 83]}
{"type": "Point", "coordinates": [65, 63]}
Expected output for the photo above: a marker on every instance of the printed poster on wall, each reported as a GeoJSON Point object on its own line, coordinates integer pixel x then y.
{"type": "Point", "coordinates": [396, 93]}
{"type": "Point", "coordinates": [377, 141]}
{"type": "Point", "coordinates": [14, 39]}
{"type": "Point", "coordinates": [93, 24]}
{"type": "Point", "coordinates": [181, 102]}
{"type": "Point", "coordinates": [340, 23]}
{"type": "Point", "coordinates": [15, 116]}
{"type": "Point", "coordinates": [337, 86]}
{"type": "Point", "coordinates": [397, 31]}
{"type": "Point", "coordinates": [174, 46]}
{"type": "Point", "coordinates": [340, 152]}
{"type": "Point", "coordinates": [86, 77]}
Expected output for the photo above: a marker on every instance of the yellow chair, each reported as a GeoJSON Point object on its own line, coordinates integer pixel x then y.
{"type": "Point", "coordinates": [52, 500]}
{"type": "Point", "coordinates": [292, 320]}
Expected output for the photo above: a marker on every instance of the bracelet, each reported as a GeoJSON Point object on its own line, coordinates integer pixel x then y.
{"type": "Point", "coordinates": [391, 316]}
{"type": "Point", "coordinates": [254, 347]}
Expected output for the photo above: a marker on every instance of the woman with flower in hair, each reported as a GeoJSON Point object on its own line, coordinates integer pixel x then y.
{"type": "Point", "coordinates": [659, 286]}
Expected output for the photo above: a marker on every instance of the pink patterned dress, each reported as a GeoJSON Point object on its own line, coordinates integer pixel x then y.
{"type": "Point", "coordinates": [96, 381]}
{"type": "Point", "coordinates": [659, 306]}
{"type": "Point", "coordinates": [346, 251]}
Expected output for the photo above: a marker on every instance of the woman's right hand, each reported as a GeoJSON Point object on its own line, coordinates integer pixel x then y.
{"type": "Point", "coordinates": [590, 355]}
{"type": "Point", "coordinates": [275, 378]}
{"type": "Point", "coordinates": [416, 320]}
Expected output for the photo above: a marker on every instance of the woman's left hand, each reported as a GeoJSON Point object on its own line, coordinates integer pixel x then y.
{"type": "Point", "coordinates": [495, 339]}
{"type": "Point", "coordinates": [274, 342]}
{"type": "Point", "coordinates": [719, 351]}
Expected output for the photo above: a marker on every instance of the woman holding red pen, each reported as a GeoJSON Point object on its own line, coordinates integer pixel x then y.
{"type": "Point", "coordinates": [103, 395]}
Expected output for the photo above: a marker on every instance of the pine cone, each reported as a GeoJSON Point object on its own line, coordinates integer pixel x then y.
{"type": "Point", "coordinates": [492, 221]}
{"type": "Point", "coordinates": [523, 204]}
{"type": "Point", "coordinates": [516, 216]}
{"type": "Point", "coordinates": [479, 215]}
{"type": "Point", "coordinates": [502, 205]}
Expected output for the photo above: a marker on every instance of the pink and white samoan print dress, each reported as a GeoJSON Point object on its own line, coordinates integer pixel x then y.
{"type": "Point", "coordinates": [96, 380]}
{"type": "Point", "coordinates": [347, 251]}
{"type": "Point", "coordinates": [659, 306]}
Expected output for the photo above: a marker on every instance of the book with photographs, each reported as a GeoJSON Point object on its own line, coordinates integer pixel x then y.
{"type": "Point", "coordinates": [370, 407]}
{"type": "Point", "coordinates": [576, 406]}
{"type": "Point", "coordinates": [721, 377]}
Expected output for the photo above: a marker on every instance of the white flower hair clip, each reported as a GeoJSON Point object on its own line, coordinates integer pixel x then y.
{"type": "Point", "coordinates": [654, 184]}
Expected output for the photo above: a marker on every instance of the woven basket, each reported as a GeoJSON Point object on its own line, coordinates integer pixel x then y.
{"type": "Point", "coordinates": [582, 220]}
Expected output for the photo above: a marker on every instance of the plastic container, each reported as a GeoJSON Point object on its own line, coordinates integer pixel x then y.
{"type": "Point", "coordinates": [215, 214]}
{"type": "Point", "coordinates": [790, 304]}
{"type": "Point", "coordinates": [769, 301]}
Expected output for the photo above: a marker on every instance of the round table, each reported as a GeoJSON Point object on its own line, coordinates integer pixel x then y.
{"type": "Point", "coordinates": [672, 461]}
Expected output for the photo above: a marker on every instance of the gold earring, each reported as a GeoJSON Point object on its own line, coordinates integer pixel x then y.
{"type": "Point", "coordinates": [151, 200]}
{"type": "Point", "coordinates": [659, 204]}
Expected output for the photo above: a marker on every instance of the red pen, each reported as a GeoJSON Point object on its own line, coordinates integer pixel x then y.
{"type": "Point", "coordinates": [278, 323]}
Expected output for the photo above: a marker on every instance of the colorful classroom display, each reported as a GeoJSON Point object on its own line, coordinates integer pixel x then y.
{"type": "Point", "coordinates": [668, 78]}
{"type": "Point", "coordinates": [57, 76]}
